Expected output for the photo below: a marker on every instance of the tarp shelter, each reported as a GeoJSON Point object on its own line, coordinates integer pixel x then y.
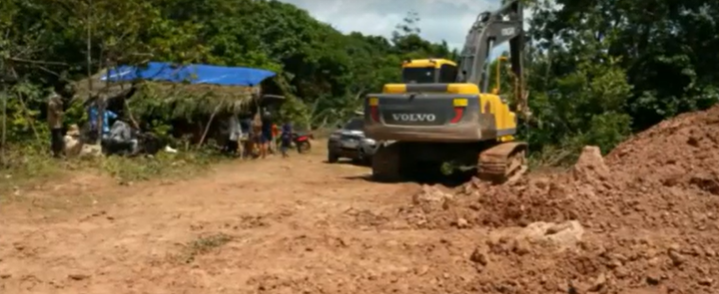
{"type": "Point", "coordinates": [235, 87]}
{"type": "Point", "coordinates": [191, 73]}
{"type": "Point", "coordinates": [194, 74]}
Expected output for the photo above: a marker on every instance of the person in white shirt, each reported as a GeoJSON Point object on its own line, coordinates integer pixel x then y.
{"type": "Point", "coordinates": [235, 135]}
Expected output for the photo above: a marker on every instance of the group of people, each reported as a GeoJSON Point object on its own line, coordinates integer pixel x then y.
{"type": "Point", "coordinates": [114, 130]}
{"type": "Point", "coordinates": [258, 132]}
{"type": "Point", "coordinates": [252, 135]}
{"type": "Point", "coordinates": [68, 144]}
{"type": "Point", "coordinates": [116, 133]}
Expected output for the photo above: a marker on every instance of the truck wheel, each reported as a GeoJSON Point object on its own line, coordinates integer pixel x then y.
{"type": "Point", "coordinates": [363, 158]}
{"type": "Point", "coordinates": [360, 156]}
{"type": "Point", "coordinates": [332, 158]}
{"type": "Point", "coordinates": [386, 164]}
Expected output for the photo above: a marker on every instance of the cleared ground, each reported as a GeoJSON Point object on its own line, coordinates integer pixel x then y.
{"type": "Point", "coordinates": [276, 225]}
{"type": "Point", "coordinates": [642, 220]}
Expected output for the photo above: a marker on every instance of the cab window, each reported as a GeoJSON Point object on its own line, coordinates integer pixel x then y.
{"type": "Point", "coordinates": [447, 74]}
{"type": "Point", "coordinates": [418, 75]}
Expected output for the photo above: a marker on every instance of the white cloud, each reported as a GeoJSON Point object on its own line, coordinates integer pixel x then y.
{"type": "Point", "coordinates": [440, 20]}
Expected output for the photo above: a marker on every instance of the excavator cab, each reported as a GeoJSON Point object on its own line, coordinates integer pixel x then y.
{"type": "Point", "coordinates": [428, 71]}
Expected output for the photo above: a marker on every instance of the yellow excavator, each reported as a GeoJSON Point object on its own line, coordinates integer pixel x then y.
{"type": "Point", "coordinates": [444, 112]}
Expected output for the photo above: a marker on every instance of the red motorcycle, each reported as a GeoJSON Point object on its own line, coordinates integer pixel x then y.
{"type": "Point", "coordinates": [302, 141]}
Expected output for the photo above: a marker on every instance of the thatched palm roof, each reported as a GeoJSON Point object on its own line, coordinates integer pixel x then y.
{"type": "Point", "coordinates": [184, 98]}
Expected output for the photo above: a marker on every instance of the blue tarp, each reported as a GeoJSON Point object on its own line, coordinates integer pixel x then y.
{"type": "Point", "coordinates": [191, 73]}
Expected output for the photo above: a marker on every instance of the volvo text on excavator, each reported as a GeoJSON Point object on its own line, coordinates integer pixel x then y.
{"type": "Point", "coordinates": [444, 112]}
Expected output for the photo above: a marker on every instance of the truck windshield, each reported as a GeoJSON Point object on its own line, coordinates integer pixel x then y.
{"type": "Point", "coordinates": [356, 124]}
{"type": "Point", "coordinates": [418, 75]}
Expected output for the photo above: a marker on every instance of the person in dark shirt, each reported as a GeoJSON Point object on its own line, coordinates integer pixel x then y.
{"type": "Point", "coordinates": [266, 138]}
{"type": "Point", "coordinates": [246, 139]}
{"type": "Point", "coordinates": [286, 137]}
{"type": "Point", "coordinates": [246, 125]}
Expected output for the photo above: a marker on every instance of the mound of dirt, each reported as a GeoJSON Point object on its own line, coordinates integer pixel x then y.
{"type": "Point", "coordinates": [616, 263]}
{"type": "Point", "coordinates": [644, 218]}
{"type": "Point", "coordinates": [590, 166]}
{"type": "Point", "coordinates": [682, 152]}
{"type": "Point", "coordinates": [667, 176]}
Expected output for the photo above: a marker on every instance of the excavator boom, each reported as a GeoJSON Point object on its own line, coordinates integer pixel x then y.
{"type": "Point", "coordinates": [490, 30]}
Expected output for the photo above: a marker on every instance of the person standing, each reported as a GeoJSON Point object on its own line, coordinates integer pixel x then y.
{"type": "Point", "coordinates": [266, 133]}
{"type": "Point", "coordinates": [257, 134]}
{"type": "Point", "coordinates": [55, 114]}
{"type": "Point", "coordinates": [247, 138]}
{"type": "Point", "coordinates": [286, 138]}
{"type": "Point", "coordinates": [275, 144]}
{"type": "Point", "coordinates": [234, 136]}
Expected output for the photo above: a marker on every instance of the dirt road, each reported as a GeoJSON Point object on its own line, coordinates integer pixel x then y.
{"type": "Point", "coordinates": [277, 226]}
{"type": "Point", "coordinates": [641, 220]}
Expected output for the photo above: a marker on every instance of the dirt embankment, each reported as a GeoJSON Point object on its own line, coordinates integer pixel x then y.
{"type": "Point", "coordinates": [642, 219]}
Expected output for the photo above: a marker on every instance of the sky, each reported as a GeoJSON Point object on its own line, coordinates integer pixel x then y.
{"type": "Point", "coordinates": [439, 19]}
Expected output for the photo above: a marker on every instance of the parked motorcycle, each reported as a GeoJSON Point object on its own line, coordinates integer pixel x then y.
{"type": "Point", "coordinates": [302, 142]}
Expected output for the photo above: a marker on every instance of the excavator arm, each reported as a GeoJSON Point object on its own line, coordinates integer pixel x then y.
{"type": "Point", "coordinates": [490, 30]}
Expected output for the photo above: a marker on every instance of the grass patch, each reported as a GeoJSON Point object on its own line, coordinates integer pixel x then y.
{"type": "Point", "coordinates": [31, 165]}
{"type": "Point", "coordinates": [202, 245]}
{"type": "Point", "coordinates": [177, 165]}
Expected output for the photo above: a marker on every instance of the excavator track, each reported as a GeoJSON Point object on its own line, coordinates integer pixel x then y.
{"type": "Point", "coordinates": [503, 163]}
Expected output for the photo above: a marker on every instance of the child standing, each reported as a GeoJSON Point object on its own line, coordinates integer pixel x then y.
{"type": "Point", "coordinates": [286, 138]}
{"type": "Point", "coordinates": [276, 140]}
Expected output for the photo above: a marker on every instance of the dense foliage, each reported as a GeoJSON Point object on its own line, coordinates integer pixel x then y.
{"type": "Point", "coordinates": [602, 69]}
{"type": "Point", "coordinates": [598, 70]}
